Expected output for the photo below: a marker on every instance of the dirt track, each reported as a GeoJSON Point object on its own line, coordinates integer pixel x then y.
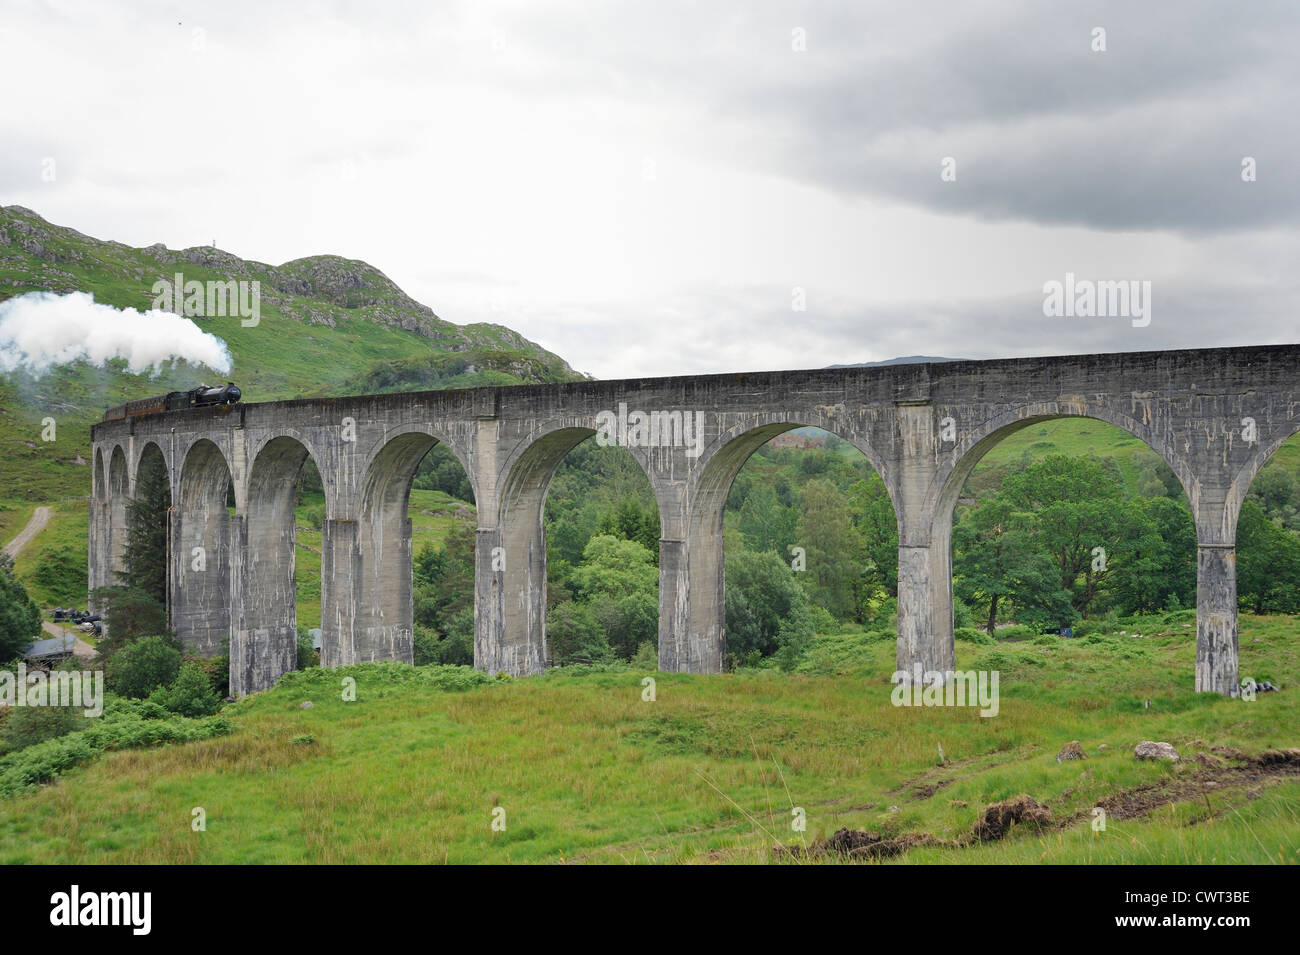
{"type": "Point", "coordinates": [40, 517]}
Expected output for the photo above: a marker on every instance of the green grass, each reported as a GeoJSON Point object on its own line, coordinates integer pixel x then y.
{"type": "Point", "coordinates": [585, 770]}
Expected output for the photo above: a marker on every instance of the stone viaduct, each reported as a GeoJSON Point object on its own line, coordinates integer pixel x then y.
{"type": "Point", "coordinates": [1214, 415]}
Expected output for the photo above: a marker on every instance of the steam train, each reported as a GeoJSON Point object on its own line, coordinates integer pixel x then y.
{"type": "Point", "coordinates": [201, 397]}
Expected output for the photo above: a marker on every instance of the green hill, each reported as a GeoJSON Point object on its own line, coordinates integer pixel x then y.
{"type": "Point", "coordinates": [328, 325]}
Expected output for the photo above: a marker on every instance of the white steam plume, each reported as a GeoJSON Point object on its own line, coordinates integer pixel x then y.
{"type": "Point", "coordinates": [41, 329]}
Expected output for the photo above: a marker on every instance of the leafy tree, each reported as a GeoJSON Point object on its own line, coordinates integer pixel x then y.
{"type": "Point", "coordinates": [761, 596]}
{"type": "Point", "coordinates": [1077, 506]}
{"type": "Point", "coordinates": [873, 516]}
{"type": "Point", "coordinates": [996, 560]}
{"type": "Point", "coordinates": [767, 525]}
{"type": "Point", "coordinates": [632, 522]}
{"type": "Point", "coordinates": [141, 667]}
{"type": "Point", "coordinates": [1268, 563]}
{"type": "Point", "coordinates": [1163, 566]}
{"type": "Point", "coordinates": [833, 549]}
{"type": "Point", "coordinates": [620, 586]}
{"type": "Point", "coordinates": [575, 635]}
{"type": "Point", "coordinates": [20, 618]}
{"type": "Point", "coordinates": [190, 694]}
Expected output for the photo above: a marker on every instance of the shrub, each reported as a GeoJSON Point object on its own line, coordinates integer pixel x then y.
{"type": "Point", "coordinates": [646, 657]}
{"type": "Point", "coordinates": [971, 635]}
{"type": "Point", "coordinates": [141, 667]}
{"type": "Point", "coordinates": [190, 694]}
{"type": "Point", "coordinates": [28, 725]}
{"type": "Point", "coordinates": [307, 655]}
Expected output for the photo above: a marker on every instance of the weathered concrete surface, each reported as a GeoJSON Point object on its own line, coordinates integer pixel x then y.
{"type": "Point", "coordinates": [1214, 415]}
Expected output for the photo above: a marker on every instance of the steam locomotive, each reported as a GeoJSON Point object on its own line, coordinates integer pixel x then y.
{"type": "Point", "coordinates": [203, 396]}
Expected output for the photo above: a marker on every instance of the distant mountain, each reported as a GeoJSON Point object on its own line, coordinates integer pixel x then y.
{"type": "Point", "coordinates": [909, 360]}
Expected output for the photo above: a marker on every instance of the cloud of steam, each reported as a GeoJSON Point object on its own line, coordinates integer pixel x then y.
{"type": "Point", "coordinates": [41, 329]}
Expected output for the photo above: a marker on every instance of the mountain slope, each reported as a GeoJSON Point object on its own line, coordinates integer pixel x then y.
{"type": "Point", "coordinates": [328, 325]}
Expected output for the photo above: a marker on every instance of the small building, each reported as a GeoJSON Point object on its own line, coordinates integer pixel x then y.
{"type": "Point", "coordinates": [51, 652]}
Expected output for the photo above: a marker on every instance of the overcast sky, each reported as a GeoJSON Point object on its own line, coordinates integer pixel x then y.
{"type": "Point", "coordinates": [643, 188]}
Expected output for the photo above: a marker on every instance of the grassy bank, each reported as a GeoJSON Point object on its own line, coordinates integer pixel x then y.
{"type": "Point", "coordinates": [584, 769]}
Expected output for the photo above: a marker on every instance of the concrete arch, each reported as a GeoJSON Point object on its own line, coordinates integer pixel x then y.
{"type": "Point", "coordinates": [119, 494]}
{"type": "Point", "coordinates": [699, 642]}
{"type": "Point", "coordinates": [201, 567]}
{"type": "Point", "coordinates": [140, 452]}
{"type": "Point", "coordinates": [278, 442]}
{"type": "Point", "coordinates": [1244, 478]}
{"type": "Point", "coordinates": [971, 448]}
{"type": "Point", "coordinates": [511, 590]}
{"type": "Point", "coordinates": [534, 458]}
{"type": "Point", "coordinates": [933, 560]}
{"type": "Point", "coordinates": [384, 444]}
{"type": "Point", "coordinates": [264, 638]}
{"type": "Point", "coordinates": [383, 622]}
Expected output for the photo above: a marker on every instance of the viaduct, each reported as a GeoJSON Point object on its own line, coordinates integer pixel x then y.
{"type": "Point", "coordinates": [1214, 415]}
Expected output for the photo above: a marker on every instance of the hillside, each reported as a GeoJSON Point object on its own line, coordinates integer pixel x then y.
{"type": "Point", "coordinates": [328, 325]}
{"type": "Point", "coordinates": [710, 770]}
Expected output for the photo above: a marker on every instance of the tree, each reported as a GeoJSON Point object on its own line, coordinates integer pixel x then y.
{"type": "Point", "coordinates": [141, 667]}
{"type": "Point", "coordinates": [1268, 563]}
{"type": "Point", "coordinates": [575, 635]}
{"type": "Point", "coordinates": [833, 549]}
{"type": "Point", "coordinates": [761, 596]}
{"type": "Point", "coordinates": [144, 555]}
{"type": "Point", "coordinates": [130, 614]}
{"type": "Point", "coordinates": [873, 516]}
{"type": "Point", "coordinates": [20, 618]}
{"type": "Point", "coordinates": [619, 585]}
{"type": "Point", "coordinates": [190, 694]}
{"type": "Point", "coordinates": [767, 525]}
{"type": "Point", "coordinates": [996, 560]}
{"type": "Point", "coordinates": [1079, 512]}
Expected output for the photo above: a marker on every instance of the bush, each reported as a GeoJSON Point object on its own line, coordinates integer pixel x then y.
{"type": "Point", "coordinates": [575, 635]}
{"type": "Point", "coordinates": [28, 725]}
{"type": "Point", "coordinates": [190, 694]}
{"type": "Point", "coordinates": [307, 655]}
{"type": "Point", "coordinates": [646, 657]}
{"type": "Point", "coordinates": [971, 635]}
{"type": "Point", "coordinates": [141, 667]}
{"type": "Point", "coordinates": [425, 646]}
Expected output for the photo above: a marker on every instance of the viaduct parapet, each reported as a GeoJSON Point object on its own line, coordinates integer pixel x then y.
{"type": "Point", "coordinates": [1214, 415]}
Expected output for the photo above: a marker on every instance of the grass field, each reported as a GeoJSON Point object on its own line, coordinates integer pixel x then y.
{"type": "Point", "coordinates": [585, 770]}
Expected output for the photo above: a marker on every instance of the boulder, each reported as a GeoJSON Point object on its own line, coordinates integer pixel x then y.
{"type": "Point", "coordinates": [1148, 749]}
{"type": "Point", "coordinates": [1071, 750]}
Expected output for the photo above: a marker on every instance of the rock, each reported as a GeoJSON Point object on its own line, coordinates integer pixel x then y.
{"type": "Point", "coordinates": [1153, 750]}
{"type": "Point", "coordinates": [1071, 750]}
{"type": "Point", "coordinates": [1205, 759]}
{"type": "Point", "coordinates": [1102, 748]}
{"type": "Point", "coordinates": [306, 705]}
